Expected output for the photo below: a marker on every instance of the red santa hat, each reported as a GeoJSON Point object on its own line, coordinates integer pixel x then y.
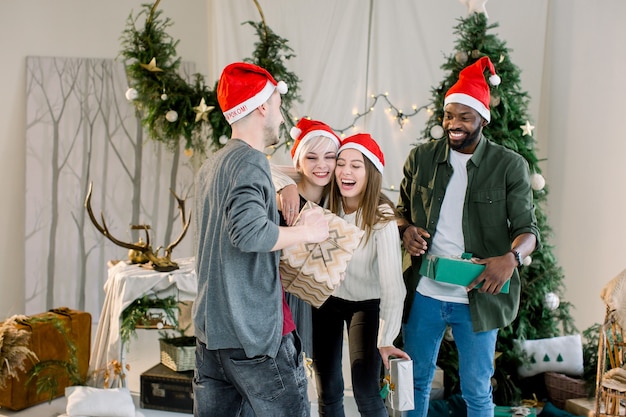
{"type": "Point", "coordinates": [243, 87]}
{"type": "Point", "coordinates": [471, 89]}
{"type": "Point", "coordinates": [364, 143]}
{"type": "Point", "coordinates": [307, 129]}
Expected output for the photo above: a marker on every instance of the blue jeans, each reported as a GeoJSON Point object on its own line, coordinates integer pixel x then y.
{"type": "Point", "coordinates": [361, 318]}
{"type": "Point", "coordinates": [225, 380]}
{"type": "Point", "coordinates": [423, 333]}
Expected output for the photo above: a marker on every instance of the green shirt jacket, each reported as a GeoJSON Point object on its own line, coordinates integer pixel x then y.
{"type": "Point", "coordinates": [498, 207]}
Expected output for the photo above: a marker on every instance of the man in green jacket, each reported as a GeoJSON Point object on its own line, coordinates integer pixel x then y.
{"type": "Point", "coordinates": [464, 195]}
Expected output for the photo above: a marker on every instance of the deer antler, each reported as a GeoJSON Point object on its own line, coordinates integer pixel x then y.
{"type": "Point", "coordinates": [105, 230]}
{"type": "Point", "coordinates": [158, 263]}
{"type": "Point", "coordinates": [186, 223]}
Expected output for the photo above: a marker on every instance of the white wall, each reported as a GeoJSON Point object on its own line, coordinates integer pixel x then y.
{"type": "Point", "coordinates": [67, 28]}
{"type": "Point", "coordinates": [570, 53]}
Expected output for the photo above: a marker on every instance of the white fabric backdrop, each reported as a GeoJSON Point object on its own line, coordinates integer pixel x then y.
{"type": "Point", "coordinates": [408, 42]}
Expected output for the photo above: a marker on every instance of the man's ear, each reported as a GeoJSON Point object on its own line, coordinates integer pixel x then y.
{"type": "Point", "coordinates": [484, 122]}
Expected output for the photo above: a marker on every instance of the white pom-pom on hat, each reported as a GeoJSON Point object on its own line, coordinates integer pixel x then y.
{"type": "Point", "coordinates": [494, 79]}
{"type": "Point", "coordinates": [282, 87]}
{"type": "Point", "coordinates": [295, 132]}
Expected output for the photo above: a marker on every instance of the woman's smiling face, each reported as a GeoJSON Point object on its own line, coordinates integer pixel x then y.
{"type": "Point", "coordinates": [350, 173]}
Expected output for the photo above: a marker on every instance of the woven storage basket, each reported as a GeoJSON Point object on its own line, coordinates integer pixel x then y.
{"type": "Point", "coordinates": [561, 388]}
{"type": "Point", "coordinates": [178, 353]}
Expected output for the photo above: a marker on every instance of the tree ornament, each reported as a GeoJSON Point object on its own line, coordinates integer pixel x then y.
{"type": "Point", "coordinates": [476, 54]}
{"type": "Point", "coordinates": [494, 101]}
{"type": "Point", "coordinates": [527, 129]}
{"type": "Point", "coordinates": [537, 181]}
{"type": "Point", "coordinates": [171, 116]}
{"type": "Point", "coordinates": [202, 111]}
{"type": "Point", "coordinates": [527, 260]}
{"type": "Point", "coordinates": [163, 96]}
{"type": "Point", "coordinates": [461, 57]}
{"type": "Point", "coordinates": [131, 94]}
{"type": "Point", "coordinates": [551, 301]}
{"type": "Point", "coordinates": [475, 6]}
{"type": "Point", "coordinates": [151, 66]}
{"type": "Point", "coordinates": [223, 139]}
{"type": "Point", "coordinates": [188, 152]}
{"type": "Point", "coordinates": [436, 132]}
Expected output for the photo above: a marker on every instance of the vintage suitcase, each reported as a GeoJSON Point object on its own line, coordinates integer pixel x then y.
{"type": "Point", "coordinates": [62, 335]}
{"type": "Point", "coordinates": [165, 389]}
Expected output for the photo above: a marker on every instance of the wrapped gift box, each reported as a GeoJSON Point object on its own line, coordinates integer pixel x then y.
{"type": "Point", "coordinates": [505, 411]}
{"type": "Point", "coordinates": [457, 271]}
{"type": "Point", "coordinates": [581, 406]}
{"type": "Point", "coordinates": [312, 271]}
{"type": "Point", "coordinates": [168, 390]}
{"type": "Point", "coordinates": [54, 336]}
{"type": "Point", "coordinates": [401, 379]}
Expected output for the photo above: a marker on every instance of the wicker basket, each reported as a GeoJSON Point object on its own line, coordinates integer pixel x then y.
{"type": "Point", "coordinates": [178, 353]}
{"type": "Point", "coordinates": [561, 388]}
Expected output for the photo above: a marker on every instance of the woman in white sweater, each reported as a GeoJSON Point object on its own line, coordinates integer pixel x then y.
{"type": "Point", "coordinates": [370, 299]}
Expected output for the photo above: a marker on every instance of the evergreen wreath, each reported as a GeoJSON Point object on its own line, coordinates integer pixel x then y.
{"type": "Point", "coordinates": [171, 108]}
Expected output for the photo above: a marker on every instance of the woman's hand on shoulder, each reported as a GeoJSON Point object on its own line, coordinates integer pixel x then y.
{"type": "Point", "coordinates": [289, 203]}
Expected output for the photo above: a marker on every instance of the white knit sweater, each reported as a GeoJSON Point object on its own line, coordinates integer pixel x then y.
{"type": "Point", "coordinates": [375, 271]}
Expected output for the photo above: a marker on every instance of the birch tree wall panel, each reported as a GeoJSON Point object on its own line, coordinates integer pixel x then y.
{"type": "Point", "coordinates": [81, 129]}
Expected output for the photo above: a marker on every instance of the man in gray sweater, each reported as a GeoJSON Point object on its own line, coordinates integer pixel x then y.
{"type": "Point", "coordinates": [247, 352]}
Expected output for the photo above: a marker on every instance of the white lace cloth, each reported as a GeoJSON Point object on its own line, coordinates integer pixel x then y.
{"type": "Point", "coordinates": [125, 284]}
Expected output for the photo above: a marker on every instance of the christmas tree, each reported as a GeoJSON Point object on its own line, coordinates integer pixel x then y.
{"type": "Point", "coordinates": [543, 313]}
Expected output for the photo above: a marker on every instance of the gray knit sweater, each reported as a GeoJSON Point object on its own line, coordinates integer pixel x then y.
{"type": "Point", "coordinates": [239, 301]}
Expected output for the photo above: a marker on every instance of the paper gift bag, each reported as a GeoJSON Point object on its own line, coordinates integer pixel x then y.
{"type": "Point", "coordinates": [313, 271]}
{"type": "Point", "coordinates": [401, 381]}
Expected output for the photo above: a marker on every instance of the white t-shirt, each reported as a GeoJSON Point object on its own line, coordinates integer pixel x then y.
{"type": "Point", "coordinates": [448, 239]}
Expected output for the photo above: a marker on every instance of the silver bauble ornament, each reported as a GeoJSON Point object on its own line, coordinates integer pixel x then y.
{"type": "Point", "coordinates": [131, 94]}
{"type": "Point", "coordinates": [223, 139]}
{"type": "Point", "coordinates": [551, 301]}
{"type": "Point", "coordinates": [436, 132]}
{"type": "Point", "coordinates": [537, 181]}
{"type": "Point", "coordinates": [163, 96]}
{"type": "Point", "coordinates": [461, 57]}
{"type": "Point", "coordinates": [171, 116]}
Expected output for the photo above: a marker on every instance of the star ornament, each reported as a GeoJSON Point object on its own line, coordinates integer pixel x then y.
{"type": "Point", "coordinates": [151, 66]}
{"type": "Point", "coordinates": [475, 6]}
{"type": "Point", "coordinates": [202, 111]}
{"type": "Point", "coordinates": [527, 129]}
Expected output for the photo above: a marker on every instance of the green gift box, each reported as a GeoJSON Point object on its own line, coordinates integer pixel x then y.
{"type": "Point", "coordinates": [459, 271]}
{"type": "Point", "coordinates": [505, 411]}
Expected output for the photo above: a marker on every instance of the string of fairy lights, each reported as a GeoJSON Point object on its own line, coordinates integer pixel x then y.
{"type": "Point", "coordinates": [396, 113]}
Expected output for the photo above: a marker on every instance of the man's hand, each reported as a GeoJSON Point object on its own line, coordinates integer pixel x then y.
{"type": "Point", "coordinates": [315, 224]}
{"type": "Point", "coordinates": [289, 203]}
{"type": "Point", "coordinates": [497, 271]}
{"type": "Point", "coordinates": [413, 240]}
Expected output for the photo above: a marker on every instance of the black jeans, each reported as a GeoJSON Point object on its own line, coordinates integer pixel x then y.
{"type": "Point", "coordinates": [361, 318]}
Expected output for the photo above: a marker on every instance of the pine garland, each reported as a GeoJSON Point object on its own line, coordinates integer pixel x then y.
{"type": "Point", "coordinates": [156, 88]}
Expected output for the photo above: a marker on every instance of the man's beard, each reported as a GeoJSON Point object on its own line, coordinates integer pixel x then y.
{"type": "Point", "coordinates": [469, 140]}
